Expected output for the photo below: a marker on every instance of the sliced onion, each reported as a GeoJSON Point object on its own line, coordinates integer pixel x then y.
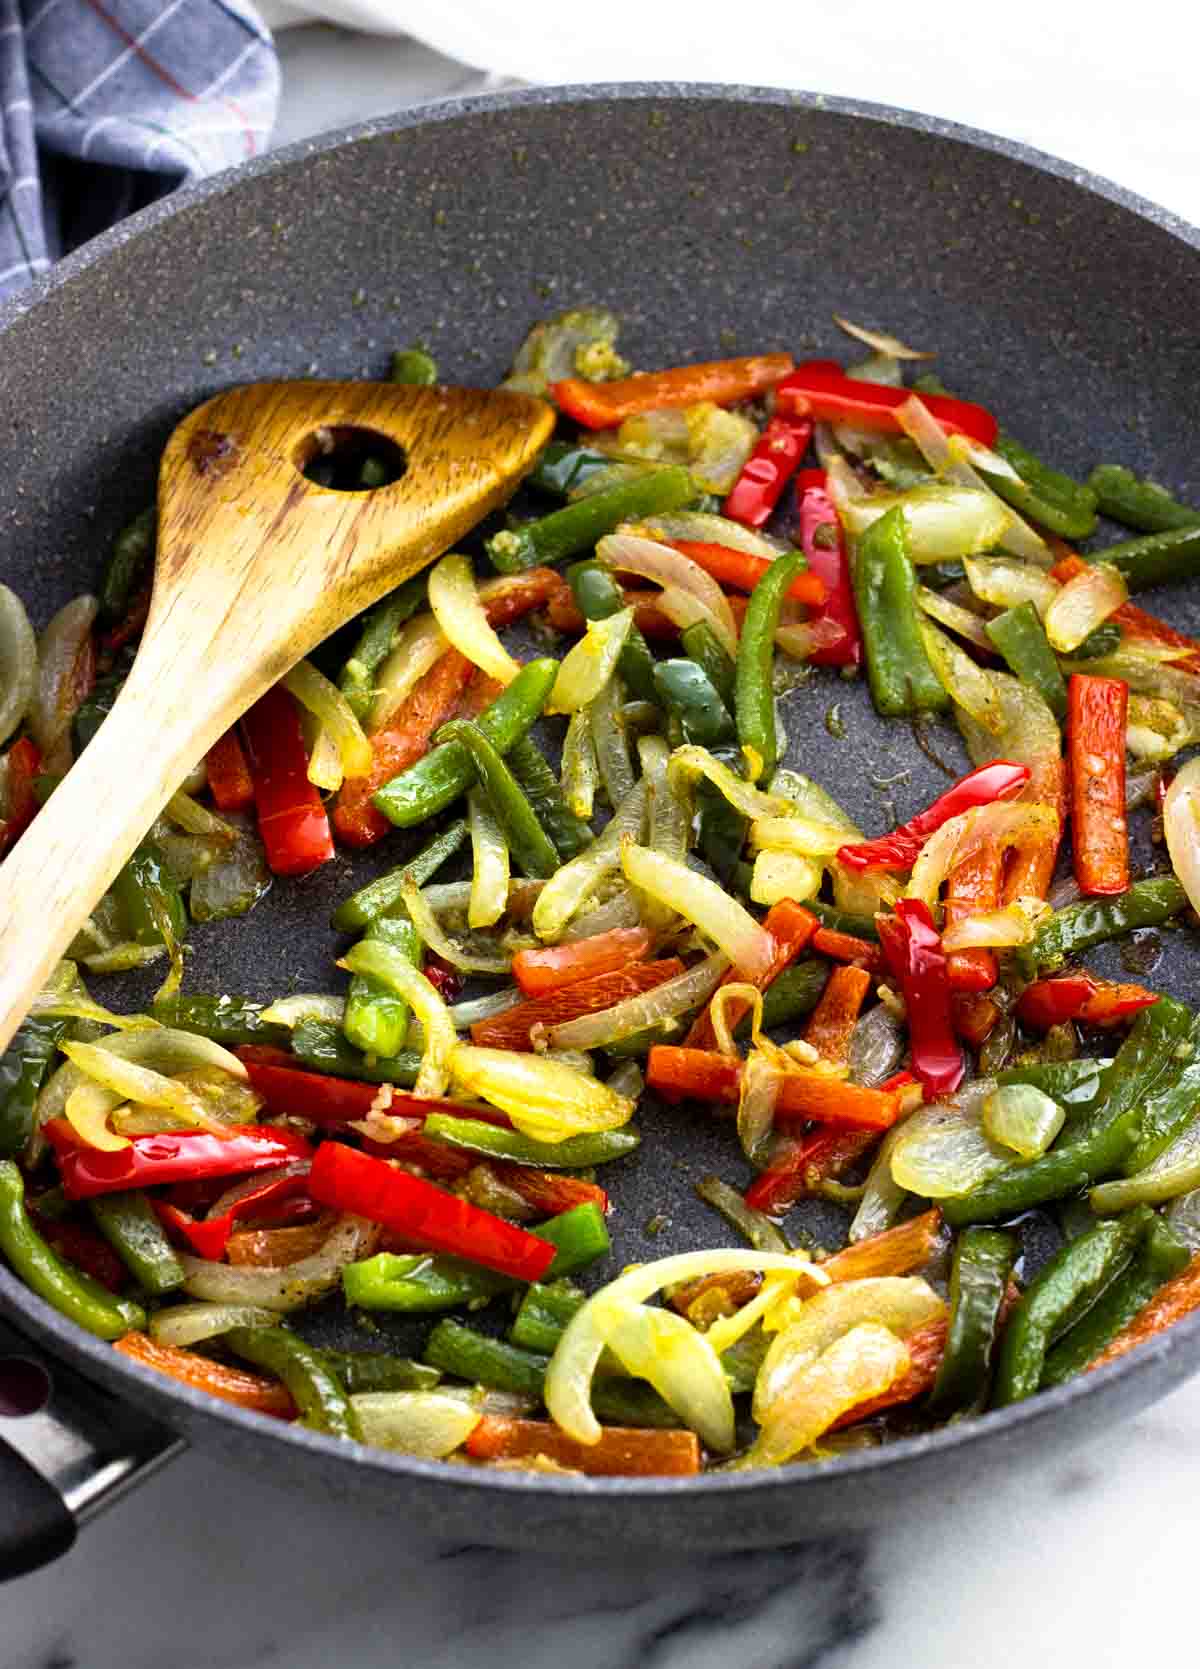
{"type": "Point", "coordinates": [472, 956]}
{"type": "Point", "coordinates": [1007, 584]}
{"type": "Point", "coordinates": [1029, 733]}
{"type": "Point", "coordinates": [876, 1047]}
{"type": "Point", "coordinates": [18, 662]}
{"type": "Point", "coordinates": [431, 1424]}
{"type": "Point", "coordinates": [333, 712]}
{"type": "Point", "coordinates": [676, 573]}
{"type": "Point", "coordinates": [449, 897]}
{"type": "Point", "coordinates": [418, 646]}
{"type": "Point", "coordinates": [305, 1005]}
{"type": "Point", "coordinates": [236, 879]}
{"type": "Point", "coordinates": [1156, 729]}
{"type": "Point", "coordinates": [758, 1093]}
{"type": "Point", "coordinates": [56, 695]}
{"type": "Point", "coordinates": [883, 343]}
{"type": "Point", "coordinates": [861, 1365]}
{"type": "Point", "coordinates": [943, 1152]}
{"type": "Point", "coordinates": [569, 1376]}
{"type": "Point", "coordinates": [719, 444]}
{"type": "Point", "coordinates": [1016, 924]}
{"type": "Point", "coordinates": [459, 611]}
{"type": "Point", "coordinates": [1023, 1118]}
{"type": "Point", "coordinates": [87, 1111]}
{"type": "Point", "coordinates": [1084, 603]}
{"type": "Point", "coordinates": [690, 762]}
{"type": "Point", "coordinates": [591, 663]}
{"type": "Point", "coordinates": [325, 768]}
{"type": "Point", "coordinates": [944, 522]}
{"type": "Point", "coordinates": [580, 769]}
{"type": "Point", "coordinates": [779, 875]}
{"type": "Point", "coordinates": [489, 859]}
{"type": "Point", "coordinates": [128, 1081]}
{"type": "Point", "coordinates": [390, 967]}
{"type": "Point", "coordinates": [702, 527]}
{"type": "Point", "coordinates": [718, 915]}
{"type": "Point", "coordinates": [1181, 826]}
{"type": "Point", "coordinates": [291, 1286]}
{"type": "Point", "coordinates": [620, 909]}
{"type": "Point", "coordinates": [1146, 673]}
{"type": "Point", "coordinates": [883, 1198]}
{"type": "Point", "coordinates": [183, 1325]}
{"type": "Point", "coordinates": [809, 637]}
{"type": "Point", "coordinates": [193, 818]}
{"type": "Point", "coordinates": [660, 1346]}
{"type": "Point", "coordinates": [544, 1098]}
{"type": "Point", "coordinates": [970, 684]}
{"type": "Point", "coordinates": [606, 716]}
{"type": "Point", "coordinates": [1183, 1215]}
{"type": "Point", "coordinates": [799, 835]}
{"type": "Point", "coordinates": [1004, 823]}
{"type": "Point", "coordinates": [947, 454]}
{"type": "Point", "coordinates": [577, 880]}
{"type": "Point", "coordinates": [952, 615]}
{"type": "Point", "coordinates": [659, 436]}
{"type": "Point", "coordinates": [670, 822]}
{"type": "Point", "coordinates": [65, 997]}
{"type": "Point", "coordinates": [666, 1002]}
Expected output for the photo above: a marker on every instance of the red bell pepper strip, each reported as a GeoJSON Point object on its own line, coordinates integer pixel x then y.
{"type": "Point", "coordinates": [832, 1022]}
{"type": "Point", "coordinates": [169, 1156]}
{"type": "Point", "coordinates": [767, 471]}
{"type": "Point", "coordinates": [1000, 780]}
{"type": "Point", "coordinates": [845, 947]}
{"type": "Point", "coordinates": [897, 1251]}
{"type": "Point", "coordinates": [208, 1237]}
{"type": "Point", "coordinates": [1081, 996]}
{"type": "Point", "coordinates": [622, 1452]}
{"type": "Point", "coordinates": [704, 1075]}
{"type": "Point", "coordinates": [825, 550]}
{"type": "Point", "coordinates": [236, 1385]}
{"type": "Point", "coordinates": [913, 948]}
{"type": "Point", "coordinates": [602, 405]}
{"type": "Point", "coordinates": [348, 1180]}
{"type": "Point", "coordinates": [550, 967]}
{"type": "Point", "coordinates": [1179, 1297]}
{"type": "Point", "coordinates": [1135, 622]}
{"type": "Point", "coordinates": [820, 389]}
{"type": "Point", "coordinates": [744, 569]}
{"type": "Point", "coordinates": [926, 1347]}
{"type": "Point", "coordinates": [549, 1192]}
{"type": "Point", "coordinates": [291, 817]}
{"type": "Point", "coordinates": [975, 1017]}
{"type": "Point", "coordinates": [20, 802]}
{"type": "Point", "coordinates": [973, 886]}
{"type": "Point", "coordinates": [1096, 714]}
{"type": "Point", "coordinates": [514, 1028]}
{"type": "Point", "coordinates": [1030, 867]}
{"type": "Point", "coordinates": [791, 927]}
{"type": "Point", "coordinates": [290, 1089]}
{"type": "Point", "coordinates": [229, 779]}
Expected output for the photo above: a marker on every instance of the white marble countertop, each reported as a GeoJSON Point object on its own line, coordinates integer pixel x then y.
{"type": "Point", "coordinates": [1087, 1561]}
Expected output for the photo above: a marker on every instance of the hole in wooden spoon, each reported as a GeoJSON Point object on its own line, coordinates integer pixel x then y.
{"type": "Point", "coordinates": [350, 460]}
{"type": "Point", "coordinates": [24, 1387]}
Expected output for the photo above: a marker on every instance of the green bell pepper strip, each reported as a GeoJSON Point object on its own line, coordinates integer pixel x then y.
{"type": "Point", "coordinates": [376, 1019]}
{"type": "Point", "coordinates": [447, 770]}
{"type": "Point", "coordinates": [754, 688]}
{"type": "Point", "coordinates": [1160, 1256]}
{"type": "Point", "coordinates": [531, 847]}
{"type": "Point", "coordinates": [543, 1315]}
{"type": "Point", "coordinates": [581, 1236]}
{"type": "Point", "coordinates": [793, 993]}
{"type": "Point", "coordinates": [722, 828]}
{"type": "Point", "coordinates": [380, 896]}
{"type": "Point", "coordinates": [69, 1291]}
{"type": "Point", "coordinates": [1103, 639]}
{"type": "Point", "coordinates": [568, 833]}
{"type": "Point", "coordinates": [321, 1045]}
{"type": "Point", "coordinates": [472, 1135]}
{"type": "Point", "coordinates": [1139, 504]}
{"type": "Point", "coordinates": [1021, 638]}
{"type": "Point", "coordinates": [1073, 1084]}
{"type": "Point", "coordinates": [132, 551]}
{"type": "Point", "coordinates": [315, 1388]}
{"type": "Point", "coordinates": [1093, 921]}
{"type": "Point", "coordinates": [841, 921]}
{"type": "Point", "coordinates": [92, 712]}
{"type": "Point", "coordinates": [1172, 1106]}
{"type": "Point", "coordinates": [414, 367]}
{"type": "Point", "coordinates": [371, 1370]}
{"type": "Point", "coordinates": [228, 1020]}
{"type": "Point", "coordinates": [983, 1262]}
{"type": "Point", "coordinates": [129, 1224]}
{"type": "Point", "coordinates": [1049, 498]}
{"type": "Point", "coordinates": [23, 1068]}
{"type": "Point", "coordinates": [563, 466]}
{"type": "Point", "coordinates": [577, 527]}
{"type": "Point", "coordinates": [1097, 1144]}
{"type": "Point", "coordinates": [702, 645]}
{"type": "Point", "coordinates": [376, 640]}
{"type": "Point", "coordinates": [1064, 1290]}
{"type": "Point", "coordinates": [149, 897]}
{"type": "Point", "coordinates": [1155, 559]}
{"type": "Point", "coordinates": [598, 597]}
{"type": "Point", "coordinates": [899, 671]}
{"type": "Point", "coordinates": [685, 690]}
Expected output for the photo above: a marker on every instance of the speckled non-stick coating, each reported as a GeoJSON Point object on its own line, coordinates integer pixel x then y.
{"type": "Point", "coordinates": [715, 221]}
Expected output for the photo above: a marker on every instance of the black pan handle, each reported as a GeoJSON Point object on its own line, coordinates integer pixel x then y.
{"type": "Point", "coordinates": [67, 1449]}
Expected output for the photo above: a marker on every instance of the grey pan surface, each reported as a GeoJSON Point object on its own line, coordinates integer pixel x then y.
{"type": "Point", "coordinates": [715, 220]}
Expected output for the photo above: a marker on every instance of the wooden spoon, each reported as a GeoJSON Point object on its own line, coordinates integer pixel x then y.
{"type": "Point", "coordinates": [255, 565]}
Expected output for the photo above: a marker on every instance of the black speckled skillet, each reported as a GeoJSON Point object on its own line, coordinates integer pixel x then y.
{"type": "Point", "coordinates": [716, 220]}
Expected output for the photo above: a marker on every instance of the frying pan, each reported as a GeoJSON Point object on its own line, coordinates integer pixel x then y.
{"type": "Point", "coordinates": [715, 221]}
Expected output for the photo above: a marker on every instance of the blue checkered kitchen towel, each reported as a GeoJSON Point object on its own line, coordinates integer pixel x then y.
{"type": "Point", "coordinates": [105, 105]}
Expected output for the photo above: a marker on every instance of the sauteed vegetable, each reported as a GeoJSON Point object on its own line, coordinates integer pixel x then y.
{"type": "Point", "coordinates": [652, 910]}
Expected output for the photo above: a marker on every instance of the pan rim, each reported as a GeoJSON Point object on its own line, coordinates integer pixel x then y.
{"type": "Point", "coordinates": [1163, 1362]}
